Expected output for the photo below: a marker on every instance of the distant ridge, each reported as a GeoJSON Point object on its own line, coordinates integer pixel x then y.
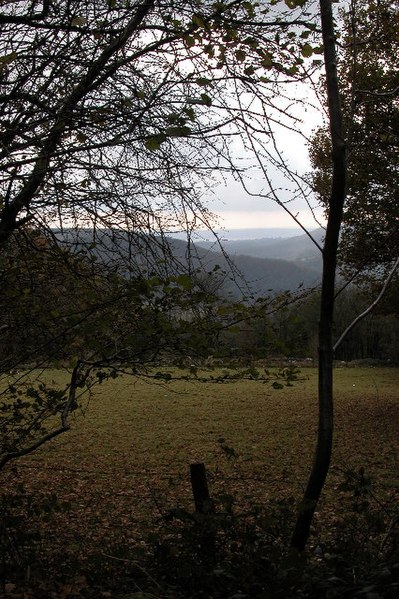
{"type": "Point", "coordinates": [299, 249]}
{"type": "Point", "coordinates": [241, 234]}
{"type": "Point", "coordinates": [238, 272]}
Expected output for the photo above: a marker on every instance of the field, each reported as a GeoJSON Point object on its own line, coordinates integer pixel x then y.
{"type": "Point", "coordinates": [124, 465]}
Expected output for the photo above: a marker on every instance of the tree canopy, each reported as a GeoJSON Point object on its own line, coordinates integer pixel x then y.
{"type": "Point", "coordinates": [369, 79]}
{"type": "Point", "coordinates": [116, 114]}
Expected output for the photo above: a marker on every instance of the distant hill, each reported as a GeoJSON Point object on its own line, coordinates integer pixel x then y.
{"type": "Point", "coordinates": [266, 276]}
{"type": "Point", "coordinates": [238, 273]}
{"type": "Point", "coordinates": [299, 249]}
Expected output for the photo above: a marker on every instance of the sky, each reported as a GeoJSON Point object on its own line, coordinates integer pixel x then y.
{"type": "Point", "coordinates": [237, 209]}
{"type": "Point", "coordinates": [229, 201]}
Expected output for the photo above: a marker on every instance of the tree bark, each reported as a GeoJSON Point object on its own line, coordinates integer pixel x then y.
{"type": "Point", "coordinates": [323, 451]}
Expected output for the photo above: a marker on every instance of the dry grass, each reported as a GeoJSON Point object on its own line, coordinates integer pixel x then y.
{"type": "Point", "coordinates": [125, 462]}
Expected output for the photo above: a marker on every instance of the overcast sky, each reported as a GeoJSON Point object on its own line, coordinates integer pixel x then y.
{"type": "Point", "coordinates": [238, 210]}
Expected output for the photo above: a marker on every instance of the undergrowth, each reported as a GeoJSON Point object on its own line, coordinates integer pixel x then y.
{"type": "Point", "coordinates": [225, 555]}
{"type": "Point", "coordinates": [219, 554]}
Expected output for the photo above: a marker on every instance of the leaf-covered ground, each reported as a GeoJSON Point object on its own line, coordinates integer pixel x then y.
{"type": "Point", "coordinates": [124, 466]}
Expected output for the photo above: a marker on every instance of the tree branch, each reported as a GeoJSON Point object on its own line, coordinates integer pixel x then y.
{"type": "Point", "coordinates": [64, 426]}
{"type": "Point", "coordinates": [371, 306]}
{"type": "Point", "coordinates": [10, 213]}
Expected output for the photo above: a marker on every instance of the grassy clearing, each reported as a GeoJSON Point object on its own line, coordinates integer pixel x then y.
{"type": "Point", "coordinates": [139, 425]}
{"type": "Point", "coordinates": [124, 464]}
{"type": "Point", "coordinates": [132, 427]}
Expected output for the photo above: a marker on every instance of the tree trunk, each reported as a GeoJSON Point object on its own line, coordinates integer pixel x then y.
{"type": "Point", "coordinates": [322, 457]}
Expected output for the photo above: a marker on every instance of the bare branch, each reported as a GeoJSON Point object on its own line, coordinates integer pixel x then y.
{"type": "Point", "coordinates": [371, 306]}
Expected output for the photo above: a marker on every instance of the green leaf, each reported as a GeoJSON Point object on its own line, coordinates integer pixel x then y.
{"type": "Point", "coordinates": [173, 117]}
{"type": "Point", "coordinates": [307, 50]}
{"type": "Point", "coordinates": [185, 281]}
{"type": "Point", "coordinates": [250, 70]}
{"type": "Point", "coordinates": [178, 131]}
{"type": "Point", "coordinates": [190, 113]}
{"type": "Point", "coordinates": [154, 142]}
{"type": "Point", "coordinates": [73, 361]}
{"type": "Point", "coordinates": [81, 137]}
{"type": "Point", "coordinates": [8, 58]}
{"type": "Point", "coordinates": [234, 329]}
{"type": "Point", "coordinates": [249, 7]}
{"type": "Point", "coordinates": [78, 21]}
{"type": "Point", "coordinates": [295, 3]}
{"type": "Point", "coordinates": [240, 55]}
{"type": "Point", "coordinates": [189, 41]}
{"type": "Point", "coordinates": [198, 21]}
{"type": "Point", "coordinates": [206, 100]}
{"type": "Point", "coordinates": [203, 81]}
{"type": "Point", "coordinates": [210, 50]}
{"type": "Point", "coordinates": [267, 60]}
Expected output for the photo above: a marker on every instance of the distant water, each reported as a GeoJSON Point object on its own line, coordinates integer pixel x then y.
{"type": "Point", "coordinates": [237, 234]}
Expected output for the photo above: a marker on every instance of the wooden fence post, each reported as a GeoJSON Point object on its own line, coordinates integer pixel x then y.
{"type": "Point", "coordinates": [202, 500]}
{"type": "Point", "coordinates": [204, 505]}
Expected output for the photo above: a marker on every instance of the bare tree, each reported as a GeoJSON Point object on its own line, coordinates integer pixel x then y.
{"type": "Point", "coordinates": [110, 115]}
{"type": "Point", "coordinates": [113, 121]}
{"type": "Point", "coordinates": [335, 212]}
{"type": "Point", "coordinates": [260, 134]}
